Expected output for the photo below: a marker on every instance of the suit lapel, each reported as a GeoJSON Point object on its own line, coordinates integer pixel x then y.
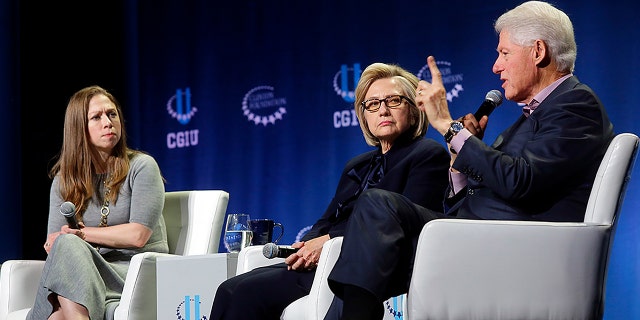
{"type": "Point", "coordinates": [500, 140]}
{"type": "Point", "coordinates": [571, 82]}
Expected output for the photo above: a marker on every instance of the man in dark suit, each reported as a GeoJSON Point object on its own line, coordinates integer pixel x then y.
{"type": "Point", "coordinates": [541, 168]}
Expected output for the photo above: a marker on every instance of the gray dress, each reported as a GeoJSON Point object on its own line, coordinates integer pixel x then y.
{"type": "Point", "coordinates": [95, 278]}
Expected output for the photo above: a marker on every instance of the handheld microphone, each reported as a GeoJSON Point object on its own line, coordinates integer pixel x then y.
{"type": "Point", "coordinates": [272, 250]}
{"type": "Point", "coordinates": [68, 210]}
{"type": "Point", "coordinates": [491, 101]}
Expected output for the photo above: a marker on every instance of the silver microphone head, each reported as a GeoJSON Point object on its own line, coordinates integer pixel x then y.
{"type": "Point", "coordinates": [68, 209]}
{"type": "Point", "coordinates": [494, 96]}
{"type": "Point", "coordinates": [270, 250]}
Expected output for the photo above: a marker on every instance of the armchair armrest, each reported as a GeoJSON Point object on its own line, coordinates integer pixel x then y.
{"type": "Point", "coordinates": [18, 285]}
{"type": "Point", "coordinates": [139, 292]}
{"type": "Point", "coordinates": [507, 270]}
{"type": "Point", "coordinates": [251, 257]}
{"type": "Point", "coordinates": [316, 304]}
{"type": "Point", "coordinates": [158, 282]}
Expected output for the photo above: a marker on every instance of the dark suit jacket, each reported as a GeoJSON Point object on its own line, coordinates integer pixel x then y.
{"type": "Point", "coordinates": [543, 166]}
{"type": "Point", "coordinates": [415, 168]}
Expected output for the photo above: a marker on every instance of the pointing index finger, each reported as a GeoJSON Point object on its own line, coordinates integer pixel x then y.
{"type": "Point", "coordinates": [436, 75]}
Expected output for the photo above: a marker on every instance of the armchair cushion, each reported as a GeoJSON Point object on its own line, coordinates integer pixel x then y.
{"type": "Point", "coordinates": [507, 270]}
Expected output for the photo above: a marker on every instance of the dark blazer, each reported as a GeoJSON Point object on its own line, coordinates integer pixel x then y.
{"type": "Point", "coordinates": [416, 168]}
{"type": "Point", "coordinates": [543, 166]}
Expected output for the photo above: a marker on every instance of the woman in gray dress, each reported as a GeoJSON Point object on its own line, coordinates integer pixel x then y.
{"type": "Point", "coordinates": [118, 196]}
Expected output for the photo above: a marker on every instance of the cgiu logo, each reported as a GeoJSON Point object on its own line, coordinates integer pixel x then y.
{"type": "Point", "coordinates": [343, 89]}
{"type": "Point", "coordinates": [183, 110]}
{"type": "Point", "coordinates": [342, 86]}
{"type": "Point", "coordinates": [184, 311]}
{"type": "Point", "coordinates": [394, 308]}
{"type": "Point", "coordinates": [179, 107]}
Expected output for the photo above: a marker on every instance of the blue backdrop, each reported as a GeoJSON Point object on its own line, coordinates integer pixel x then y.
{"type": "Point", "coordinates": [255, 97]}
{"type": "Point", "coordinates": [265, 90]}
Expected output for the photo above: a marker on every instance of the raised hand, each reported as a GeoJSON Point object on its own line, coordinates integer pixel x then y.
{"type": "Point", "coordinates": [432, 99]}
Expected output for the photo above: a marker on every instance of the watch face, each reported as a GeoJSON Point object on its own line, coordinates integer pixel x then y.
{"type": "Point", "coordinates": [454, 128]}
{"type": "Point", "coordinates": [457, 126]}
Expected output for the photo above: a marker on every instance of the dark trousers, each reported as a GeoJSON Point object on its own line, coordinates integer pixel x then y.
{"type": "Point", "coordinates": [379, 245]}
{"type": "Point", "coordinates": [261, 293]}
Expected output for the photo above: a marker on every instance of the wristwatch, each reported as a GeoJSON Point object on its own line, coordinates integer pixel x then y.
{"type": "Point", "coordinates": [454, 128]}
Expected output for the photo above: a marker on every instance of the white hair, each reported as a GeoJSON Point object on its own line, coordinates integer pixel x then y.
{"type": "Point", "coordinates": [534, 20]}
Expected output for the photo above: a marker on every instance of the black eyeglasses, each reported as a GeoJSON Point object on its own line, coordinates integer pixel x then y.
{"type": "Point", "coordinates": [392, 102]}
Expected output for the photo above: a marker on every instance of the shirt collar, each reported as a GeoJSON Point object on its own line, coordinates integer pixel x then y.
{"type": "Point", "coordinates": [543, 94]}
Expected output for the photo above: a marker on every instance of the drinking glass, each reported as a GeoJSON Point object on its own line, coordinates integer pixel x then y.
{"type": "Point", "coordinates": [237, 234]}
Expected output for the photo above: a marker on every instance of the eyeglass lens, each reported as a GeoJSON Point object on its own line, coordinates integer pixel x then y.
{"type": "Point", "coordinates": [374, 104]}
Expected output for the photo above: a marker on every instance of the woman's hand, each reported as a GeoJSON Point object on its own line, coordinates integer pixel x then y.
{"type": "Point", "coordinates": [308, 254]}
{"type": "Point", "coordinates": [51, 238]}
{"type": "Point", "coordinates": [78, 232]}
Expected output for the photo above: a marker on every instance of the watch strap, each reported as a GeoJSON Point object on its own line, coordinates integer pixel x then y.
{"type": "Point", "coordinates": [454, 128]}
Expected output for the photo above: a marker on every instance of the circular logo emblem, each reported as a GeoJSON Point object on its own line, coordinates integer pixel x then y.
{"type": "Point", "coordinates": [449, 78]}
{"type": "Point", "coordinates": [261, 106]}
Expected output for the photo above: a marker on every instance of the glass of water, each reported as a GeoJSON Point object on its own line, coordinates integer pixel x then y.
{"type": "Point", "coordinates": [237, 232]}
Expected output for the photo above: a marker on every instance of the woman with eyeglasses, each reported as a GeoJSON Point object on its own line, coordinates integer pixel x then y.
{"type": "Point", "coordinates": [403, 162]}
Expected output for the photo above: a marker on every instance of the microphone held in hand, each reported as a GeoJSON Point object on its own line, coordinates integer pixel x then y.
{"type": "Point", "coordinates": [68, 210]}
{"type": "Point", "coordinates": [491, 101]}
{"type": "Point", "coordinates": [272, 250]}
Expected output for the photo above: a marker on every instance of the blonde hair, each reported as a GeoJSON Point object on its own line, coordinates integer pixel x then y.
{"type": "Point", "coordinates": [408, 83]}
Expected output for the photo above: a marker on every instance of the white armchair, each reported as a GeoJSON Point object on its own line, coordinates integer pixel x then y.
{"type": "Point", "coordinates": [315, 305]}
{"type": "Point", "coordinates": [194, 222]}
{"type": "Point", "coordinates": [312, 306]}
{"type": "Point", "coordinates": [468, 269]}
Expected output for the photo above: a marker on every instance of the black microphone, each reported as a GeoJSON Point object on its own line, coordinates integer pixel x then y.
{"type": "Point", "coordinates": [491, 101]}
{"type": "Point", "coordinates": [272, 250]}
{"type": "Point", "coordinates": [68, 210]}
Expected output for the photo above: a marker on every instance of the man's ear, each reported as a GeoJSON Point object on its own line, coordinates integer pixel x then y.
{"type": "Point", "coordinates": [541, 53]}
